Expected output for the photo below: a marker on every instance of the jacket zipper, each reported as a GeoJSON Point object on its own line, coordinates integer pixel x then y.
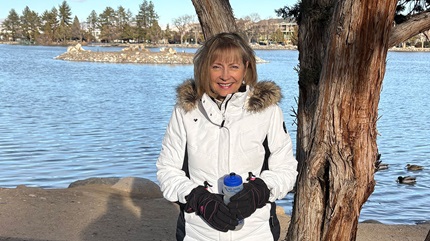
{"type": "Point", "coordinates": [225, 109]}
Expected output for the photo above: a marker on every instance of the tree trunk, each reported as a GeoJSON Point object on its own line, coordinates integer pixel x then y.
{"type": "Point", "coordinates": [340, 82]}
{"type": "Point", "coordinates": [215, 16]}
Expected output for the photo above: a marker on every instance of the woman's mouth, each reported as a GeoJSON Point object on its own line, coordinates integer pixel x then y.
{"type": "Point", "coordinates": [225, 85]}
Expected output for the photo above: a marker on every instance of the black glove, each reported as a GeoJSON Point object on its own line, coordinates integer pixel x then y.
{"type": "Point", "coordinates": [211, 208]}
{"type": "Point", "coordinates": [254, 194]}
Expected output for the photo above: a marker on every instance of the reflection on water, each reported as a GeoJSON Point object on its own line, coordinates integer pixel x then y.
{"type": "Point", "coordinates": [64, 121]}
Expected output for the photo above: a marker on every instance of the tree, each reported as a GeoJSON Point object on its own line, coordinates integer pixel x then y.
{"type": "Point", "coordinates": [76, 30]}
{"type": "Point", "coordinates": [49, 25]}
{"type": "Point", "coordinates": [251, 29]}
{"type": "Point", "coordinates": [342, 52]}
{"type": "Point", "coordinates": [277, 36]}
{"type": "Point", "coordinates": [65, 17]}
{"type": "Point", "coordinates": [266, 28]}
{"type": "Point", "coordinates": [92, 21]}
{"type": "Point", "coordinates": [30, 23]}
{"type": "Point", "coordinates": [154, 31]}
{"type": "Point", "coordinates": [146, 21]}
{"type": "Point", "coordinates": [107, 24]}
{"type": "Point", "coordinates": [182, 23]}
{"type": "Point", "coordinates": [168, 33]}
{"type": "Point", "coordinates": [210, 14]}
{"type": "Point", "coordinates": [12, 25]}
{"type": "Point", "coordinates": [124, 27]}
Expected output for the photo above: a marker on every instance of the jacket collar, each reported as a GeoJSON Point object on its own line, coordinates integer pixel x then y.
{"type": "Point", "coordinates": [261, 96]}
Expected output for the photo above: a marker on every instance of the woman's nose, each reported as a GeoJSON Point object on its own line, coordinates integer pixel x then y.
{"type": "Point", "coordinates": [225, 74]}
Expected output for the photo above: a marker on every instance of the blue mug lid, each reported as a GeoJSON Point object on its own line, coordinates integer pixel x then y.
{"type": "Point", "coordinates": [232, 180]}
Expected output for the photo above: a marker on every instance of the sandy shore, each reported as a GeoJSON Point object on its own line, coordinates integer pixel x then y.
{"type": "Point", "coordinates": [123, 209]}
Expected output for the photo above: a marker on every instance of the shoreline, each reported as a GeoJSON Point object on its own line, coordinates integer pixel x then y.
{"type": "Point", "coordinates": [254, 46]}
{"type": "Point", "coordinates": [129, 208]}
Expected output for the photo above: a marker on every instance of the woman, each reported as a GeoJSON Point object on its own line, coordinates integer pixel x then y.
{"type": "Point", "coordinates": [225, 121]}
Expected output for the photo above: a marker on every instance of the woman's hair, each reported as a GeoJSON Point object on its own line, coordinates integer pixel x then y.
{"type": "Point", "coordinates": [224, 45]}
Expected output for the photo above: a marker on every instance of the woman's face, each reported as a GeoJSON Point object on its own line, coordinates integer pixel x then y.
{"type": "Point", "coordinates": [226, 75]}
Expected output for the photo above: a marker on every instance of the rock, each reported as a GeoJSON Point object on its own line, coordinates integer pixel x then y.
{"type": "Point", "coordinates": [168, 50]}
{"type": "Point", "coordinates": [76, 48]}
{"type": "Point", "coordinates": [138, 187]}
{"type": "Point", "coordinates": [95, 181]}
{"type": "Point", "coordinates": [135, 48]}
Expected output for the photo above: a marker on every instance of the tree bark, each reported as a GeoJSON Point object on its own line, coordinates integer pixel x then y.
{"type": "Point", "coordinates": [215, 16]}
{"type": "Point", "coordinates": [340, 84]}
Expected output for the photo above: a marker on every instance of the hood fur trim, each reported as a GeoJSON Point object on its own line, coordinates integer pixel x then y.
{"type": "Point", "coordinates": [186, 95]}
{"type": "Point", "coordinates": [262, 95]}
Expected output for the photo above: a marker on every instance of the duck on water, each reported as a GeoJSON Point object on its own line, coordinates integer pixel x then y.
{"type": "Point", "coordinates": [406, 180]}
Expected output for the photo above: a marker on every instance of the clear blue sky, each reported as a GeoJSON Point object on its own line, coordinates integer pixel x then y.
{"type": "Point", "coordinates": [166, 9]}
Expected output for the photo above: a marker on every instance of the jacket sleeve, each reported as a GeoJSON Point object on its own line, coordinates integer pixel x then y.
{"type": "Point", "coordinates": [173, 181]}
{"type": "Point", "coordinates": [281, 175]}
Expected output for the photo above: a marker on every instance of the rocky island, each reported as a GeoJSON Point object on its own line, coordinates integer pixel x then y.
{"type": "Point", "coordinates": [132, 54]}
{"type": "Point", "coordinates": [137, 54]}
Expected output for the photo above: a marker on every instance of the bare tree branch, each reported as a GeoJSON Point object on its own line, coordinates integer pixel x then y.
{"type": "Point", "coordinates": [414, 25]}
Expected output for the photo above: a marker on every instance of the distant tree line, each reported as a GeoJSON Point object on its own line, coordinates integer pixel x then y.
{"type": "Point", "coordinates": [56, 26]}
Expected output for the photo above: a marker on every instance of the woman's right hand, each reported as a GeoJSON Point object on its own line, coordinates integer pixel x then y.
{"type": "Point", "coordinates": [211, 208]}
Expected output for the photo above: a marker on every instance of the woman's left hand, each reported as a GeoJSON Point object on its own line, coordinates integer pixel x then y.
{"type": "Point", "coordinates": [255, 194]}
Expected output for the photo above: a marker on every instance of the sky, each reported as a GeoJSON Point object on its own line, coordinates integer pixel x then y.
{"type": "Point", "coordinates": [167, 10]}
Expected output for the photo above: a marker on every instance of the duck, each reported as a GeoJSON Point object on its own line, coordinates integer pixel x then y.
{"type": "Point", "coordinates": [414, 167]}
{"type": "Point", "coordinates": [380, 166]}
{"type": "Point", "coordinates": [378, 163]}
{"type": "Point", "coordinates": [406, 180]}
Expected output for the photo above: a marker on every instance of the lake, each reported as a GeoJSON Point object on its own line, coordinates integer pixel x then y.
{"type": "Point", "coordinates": [65, 121]}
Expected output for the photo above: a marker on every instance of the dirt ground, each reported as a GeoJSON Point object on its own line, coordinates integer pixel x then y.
{"type": "Point", "coordinates": [123, 209]}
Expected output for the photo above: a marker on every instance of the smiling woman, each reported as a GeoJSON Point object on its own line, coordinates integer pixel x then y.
{"type": "Point", "coordinates": [225, 121]}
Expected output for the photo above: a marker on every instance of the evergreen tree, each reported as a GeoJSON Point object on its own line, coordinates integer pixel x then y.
{"type": "Point", "coordinates": [107, 25]}
{"type": "Point", "coordinates": [12, 25]}
{"type": "Point", "coordinates": [76, 29]}
{"type": "Point", "coordinates": [146, 21]}
{"type": "Point", "coordinates": [49, 25]}
{"type": "Point", "coordinates": [30, 23]}
{"type": "Point", "coordinates": [124, 28]}
{"type": "Point", "coordinates": [92, 21]}
{"type": "Point", "coordinates": [142, 21]}
{"type": "Point", "coordinates": [64, 14]}
{"type": "Point", "coordinates": [167, 34]}
{"type": "Point", "coordinates": [154, 31]}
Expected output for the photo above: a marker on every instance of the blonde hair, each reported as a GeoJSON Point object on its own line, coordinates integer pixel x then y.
{"type": "Point", "coordinates": [230, 45]}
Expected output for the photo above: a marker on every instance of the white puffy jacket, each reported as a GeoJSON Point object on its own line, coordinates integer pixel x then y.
{"type": "Point", "coordinates": [219, 141]}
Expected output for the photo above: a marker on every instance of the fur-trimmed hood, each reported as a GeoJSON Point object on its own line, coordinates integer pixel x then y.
{"type": "Point", "coordinates": [261, 96]}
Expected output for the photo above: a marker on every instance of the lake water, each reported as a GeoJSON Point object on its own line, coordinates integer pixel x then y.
{"type": "Point", "coordinates": [65, 121]}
